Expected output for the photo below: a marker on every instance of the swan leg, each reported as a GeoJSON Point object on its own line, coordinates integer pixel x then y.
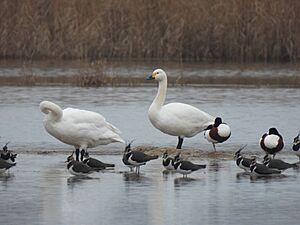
{"type": "Point", "coordinates": [77, 154]}
{"type": "Point", "coordinates": [82, 154]}
{"type": "Point", "coordinates": [180, 141]}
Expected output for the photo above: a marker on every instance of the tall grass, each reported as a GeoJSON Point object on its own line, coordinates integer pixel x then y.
{"type": "Point", "coordinates": [231, 30]}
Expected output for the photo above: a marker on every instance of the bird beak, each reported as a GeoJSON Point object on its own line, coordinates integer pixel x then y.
{"type": "Point", "coordinates": [151, 77]}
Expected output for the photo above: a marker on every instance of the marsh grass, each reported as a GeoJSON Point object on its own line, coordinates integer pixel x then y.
{"type": "Point", "coordinates": [194, 30]}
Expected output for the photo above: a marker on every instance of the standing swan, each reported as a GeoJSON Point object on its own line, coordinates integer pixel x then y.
{"type": "Point", "coordinates": [80, 128]}
{"type": "Point", "coordinates": [175, 119]}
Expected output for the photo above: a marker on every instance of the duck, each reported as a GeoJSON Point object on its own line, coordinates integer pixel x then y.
{"type": "Point", "coordinates": [168, 161]}
{"type": "Point", "coordinates": [77, 168]}
{"type": "Point", "coordinates": [278, 163]}
{"type": "Point", "coordinates": [271, 142]}
{"type": "Point", "coordinates": [186, 167]}
{"type": "Point", "coordinates": [80, 128]}
{"type": "Point", "coordinates": [241, 161]}
{"type": "Point", "coordinates": [175, 119]}
{"type": "Point", "coordinates": [136, 158]}
{"type": "Point", "coordinates": [296, 145]}
{"type": "Point", "coordinates": [258, 169]}
{"type": "Point", "coordinates": [218, 132]}
{"type": "Point", "coordinates": [95, 163]}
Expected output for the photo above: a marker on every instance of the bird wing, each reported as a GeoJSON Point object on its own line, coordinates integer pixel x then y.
{"type": "Point", "coordinates": [185, 117]}
{"type": "Point", "coordinates": [81, 168]}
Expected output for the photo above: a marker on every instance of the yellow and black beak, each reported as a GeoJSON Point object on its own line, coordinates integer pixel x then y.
{"type": "Point", "coordinates": [151, 77]}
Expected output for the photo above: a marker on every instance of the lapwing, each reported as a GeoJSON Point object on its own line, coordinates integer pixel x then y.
{"type": "Point", "coordinates": [7, 155]}
{"type": "Point", "coordinates": [5, 165]}
{"type": "Point", "coordinates": [261, 169]}
{"type": "Point", "coordinates": [95, 163]}
{"type": "Point", "coordinates": [136, 158]}
{"type": "Point", "coordinates": [78, 168]}
{"type": "Point", "coordinates": [124, 159]}
{"type": "Point", "coordinates": [296, 145]}
{"type": "Point", "coordinates": [168, 161]}
{"type": "Point", "coordinates": [241, 161]}
{"type": "Point", "coordinates": [272, 142]}
{"type": "Point", "coordinates": [278, 163]}
{"type": "Point", "coordinates": [218, 132]}
{"type": "Point", "coordinates": [186, 167]}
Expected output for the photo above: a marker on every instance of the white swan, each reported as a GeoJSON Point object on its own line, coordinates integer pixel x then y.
{"type": "Point", "coordinates": [80, 128]}
{"type": "Point", "coordinates": [175, 119]}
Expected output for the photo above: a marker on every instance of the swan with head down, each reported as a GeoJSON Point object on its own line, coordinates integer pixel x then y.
{"type": "Point", "coordinates": [176, 119]}
{"type": "Point", "coordinates": [79, 128]}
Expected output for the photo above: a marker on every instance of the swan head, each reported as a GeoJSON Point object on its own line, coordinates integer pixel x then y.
{"type": "Point", "coordinates": [158, 75]}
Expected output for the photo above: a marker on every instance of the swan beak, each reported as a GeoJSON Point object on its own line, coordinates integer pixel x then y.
{"type": "Point", "coordinates": [151, 77]}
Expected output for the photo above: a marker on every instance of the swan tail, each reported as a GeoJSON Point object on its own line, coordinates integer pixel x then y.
{"type": "Point", "coordinates": [113, 128]}
{"type": "Point", "coordinates": [119, 139]}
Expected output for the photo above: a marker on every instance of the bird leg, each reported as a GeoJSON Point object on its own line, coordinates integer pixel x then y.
{"type": "Point", "coordinates": [82, 154]}
{"type": "Point", "coordinates": [180, 141]}
{"type": "Point", "coordinates": [214, 145]}
{"type": "Point", "coordinates": [77, 154]}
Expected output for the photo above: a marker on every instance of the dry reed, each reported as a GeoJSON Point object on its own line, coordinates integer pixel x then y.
{"type": "Point", "coordinates": [231, 30]}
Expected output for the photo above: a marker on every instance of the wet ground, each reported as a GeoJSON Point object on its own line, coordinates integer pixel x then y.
{"type": "Point", "coordinates": [39, 190]}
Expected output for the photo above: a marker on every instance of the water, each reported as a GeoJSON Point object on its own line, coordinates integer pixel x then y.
{"type": "Point", "coordinates": [137, 69]}
{"type": "Point", "coordinates": [250, 113]}
{"type": "Point", "coordinates": [39, 190]}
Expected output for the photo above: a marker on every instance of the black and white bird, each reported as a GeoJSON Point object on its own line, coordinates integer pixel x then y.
{"type": "Point", "coordinates": [168, 161]}
{"type": "Point", "coordinates": [7, 156]}
{"type": "Point", "coordinates": [5, 166]}
{"type": "Point", "coordinates": [261, 169]}
{"type": "Point", "coordinates": [278, 163]}
{"type": "Point", "coordinates": [78, 168]}
{"type": "Point", "coordinates": [124, 159]}
{"type": "Point", "coordinates": [241, 161]}
{"type": "Point", "coordinates": [296, 145]}
{"type": "Point", "coordinates": [95, 163]}
{"type": "Point", "coordinates": [217, 132]}
{"type": "Point", "coordinates": [136, 158]}
{"type": "Point", "coordinates": [186, 167]}
{"type": "Point", "coordinates": [272, 142]}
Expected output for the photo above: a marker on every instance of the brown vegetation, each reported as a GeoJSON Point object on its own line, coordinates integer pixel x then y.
{"type": "Point", "coordinates": [235, 30]}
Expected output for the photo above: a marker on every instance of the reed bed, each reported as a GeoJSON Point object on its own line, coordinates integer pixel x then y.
{"type": "Point", "coordinates": [194, 30]}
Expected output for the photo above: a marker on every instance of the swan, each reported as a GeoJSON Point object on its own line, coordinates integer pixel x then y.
{"type": "Point", "coordinates": [176, 119]}
{"type": "Point", "coordinates": [79, 128]}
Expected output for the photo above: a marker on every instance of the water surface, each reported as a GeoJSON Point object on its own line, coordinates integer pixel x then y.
{"type": "Point", "coordinates": [39, 190]}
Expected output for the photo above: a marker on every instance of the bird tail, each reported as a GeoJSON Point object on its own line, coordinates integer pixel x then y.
{"type": "Point", "coordinates": [200, 166]}
{"type": "Point", "coordinates": [151, 157]}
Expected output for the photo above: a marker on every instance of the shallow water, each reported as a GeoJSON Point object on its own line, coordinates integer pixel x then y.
{"type": "Point", "coordinates": [137, 69]}
{"type": "Point", "coordinates": [249, 111]}
{"type": "Point", "coordinates": [39, 190]}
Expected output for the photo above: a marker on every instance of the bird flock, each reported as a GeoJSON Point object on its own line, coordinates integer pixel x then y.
{"type": "Point", "coordinates": [84, 129]}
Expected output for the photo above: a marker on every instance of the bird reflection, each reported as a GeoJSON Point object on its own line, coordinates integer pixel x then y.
{"type": "Point", "coordinates": [267, 179]}
{"type": "Point", "coordinates": [79, 179]}
{"type": "Point", "coordinates": [242, 175]}
{"type": "Point", "coordinates": [6, 177]}
{"type": "Point", "coordinates": [182, 181]}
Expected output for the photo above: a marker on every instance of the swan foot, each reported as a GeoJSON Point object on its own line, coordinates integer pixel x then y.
{"type": "Point", "coordinates": [77, 154]}
{"type": "Point", "coordinates": [180, 141]}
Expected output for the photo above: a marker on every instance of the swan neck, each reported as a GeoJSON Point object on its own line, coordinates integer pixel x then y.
{"type": "Point", "coordinates": [161, 93]}
{"type": "Point", "coordinates": [52, 110]}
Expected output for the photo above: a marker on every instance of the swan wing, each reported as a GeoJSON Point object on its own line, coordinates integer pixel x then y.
{"type": "Point", "coordinates": [181, 119]}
